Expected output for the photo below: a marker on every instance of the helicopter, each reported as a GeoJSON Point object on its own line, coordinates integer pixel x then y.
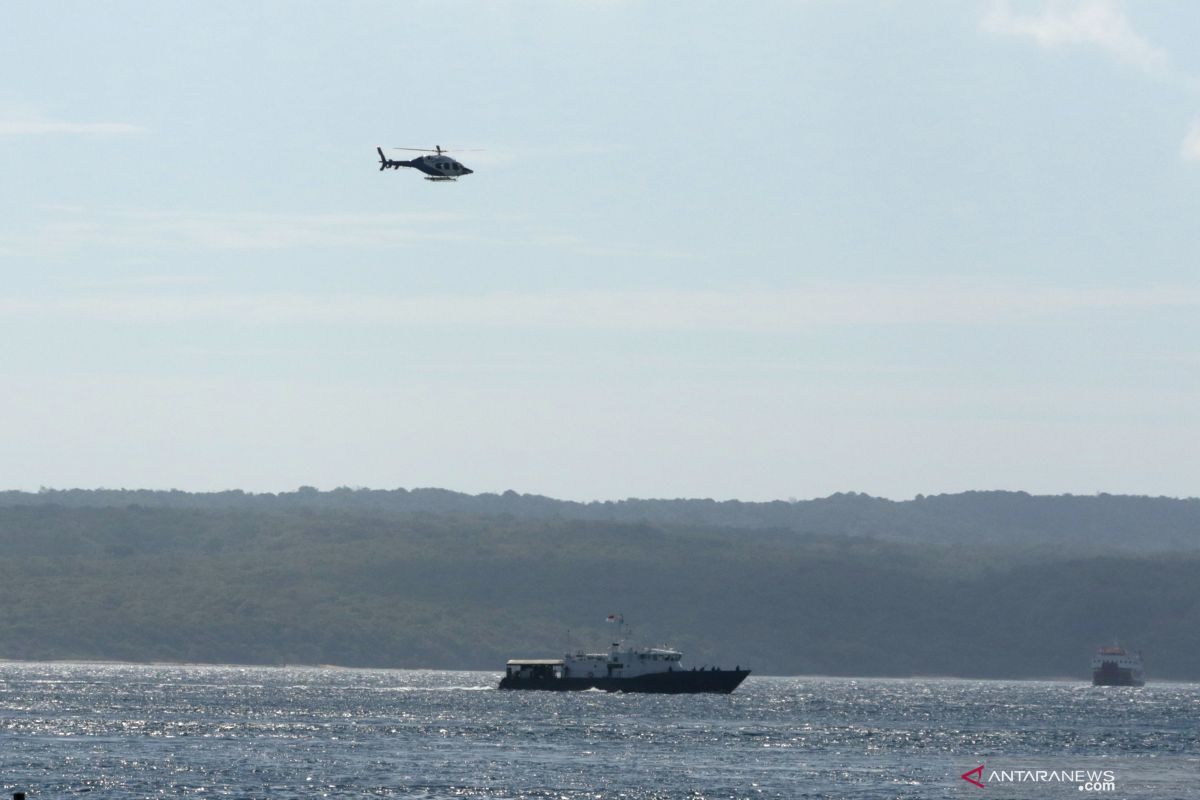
{"type": "Point", "coordinates": [438, 167]}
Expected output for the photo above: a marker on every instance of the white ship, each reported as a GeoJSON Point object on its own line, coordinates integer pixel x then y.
{"type": "Point", "coordinates": [621, 669]}
{"type": "Point", "coordinates": [1116, 666]}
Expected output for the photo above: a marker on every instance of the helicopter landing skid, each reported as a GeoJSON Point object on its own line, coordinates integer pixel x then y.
{"type": "Point", "coordinates": [439, 178]}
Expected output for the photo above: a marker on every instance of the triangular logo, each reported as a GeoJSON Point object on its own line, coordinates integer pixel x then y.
{"type": "Point", "coordinates": [978, 779]}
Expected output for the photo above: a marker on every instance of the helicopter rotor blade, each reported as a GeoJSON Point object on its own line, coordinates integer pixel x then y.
{"type": "Point", "coordinates": [440, 149]}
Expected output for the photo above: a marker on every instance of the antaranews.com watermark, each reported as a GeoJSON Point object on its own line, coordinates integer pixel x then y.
{"type": "Point", "coordinates": [1087, 780]}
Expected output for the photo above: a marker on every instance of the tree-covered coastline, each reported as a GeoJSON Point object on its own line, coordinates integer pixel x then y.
{"type": "Point", "coordinates": [981, 584]}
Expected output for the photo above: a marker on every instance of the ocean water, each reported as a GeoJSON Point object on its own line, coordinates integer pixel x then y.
{"type": "Point", "coordinates": [124, 731]}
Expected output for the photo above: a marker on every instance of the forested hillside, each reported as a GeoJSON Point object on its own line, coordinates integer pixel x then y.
{"type": "Point", "coordinates": [358, 579]}
{"type": "Point", "coordinates": [1003, 519]}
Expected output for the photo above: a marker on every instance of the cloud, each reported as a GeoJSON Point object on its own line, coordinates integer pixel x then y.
{"type": "Point", "coordinates": [746, 310]}
{"type": "Point", "coordinates": [70, 229]}
{"type": "Point", "coordinates": [1095, 23]}
{"type": "Point", "coordinates": [1190, 149]}
{"type": "Point", "coordinates": [37, 127]}
{"type": "Point", "coordinates": [74, 229]}
{"type": "Point", "coordinates": [19, 118]}
{"type": "Point", "coordinates": [1064, 23]}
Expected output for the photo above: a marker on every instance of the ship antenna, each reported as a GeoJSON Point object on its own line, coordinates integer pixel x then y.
{"type": "Point", "coordinates": [620, 620]}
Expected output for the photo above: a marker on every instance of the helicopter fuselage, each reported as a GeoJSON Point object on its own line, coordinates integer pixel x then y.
{"type": "Point", "coordinates": [439, 167]}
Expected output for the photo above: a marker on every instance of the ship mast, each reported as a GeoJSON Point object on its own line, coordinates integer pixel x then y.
{"type": "Point", "coordinates": [620, 637]}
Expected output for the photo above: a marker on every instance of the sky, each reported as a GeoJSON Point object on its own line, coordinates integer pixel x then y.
{"type": "Point", "coordinates": [762, 251]}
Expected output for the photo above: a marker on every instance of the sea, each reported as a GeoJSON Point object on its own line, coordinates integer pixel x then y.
{"type": "Point", "coordinates": [75, 730]}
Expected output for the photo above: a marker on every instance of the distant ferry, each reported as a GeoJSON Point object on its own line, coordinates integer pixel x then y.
{"type": "Point", "coordinates": [621, 669]}
{"type": "Point", "coordinates": [1115, 666]}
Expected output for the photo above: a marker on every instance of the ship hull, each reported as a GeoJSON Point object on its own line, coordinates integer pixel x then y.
{"type": "Point", "coordinates": [1111, 675]}
{"type": "Point", "coordinates": [718, 681]}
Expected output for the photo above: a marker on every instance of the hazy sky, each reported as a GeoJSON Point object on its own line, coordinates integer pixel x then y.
{"type": "Point", "coordinates": [767, 250]}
